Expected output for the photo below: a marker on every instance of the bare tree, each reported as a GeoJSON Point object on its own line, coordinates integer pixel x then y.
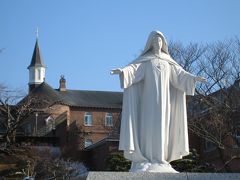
{"type": "Point", "coordinates": [187, 56]}
{"type": "Point", "coordinates": [214, 109]}
{"type": "Point", "coordinates": [15, 108]}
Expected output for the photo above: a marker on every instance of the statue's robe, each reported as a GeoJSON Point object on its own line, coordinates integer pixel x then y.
{"type": "Point", "coordinates": [154, 118]}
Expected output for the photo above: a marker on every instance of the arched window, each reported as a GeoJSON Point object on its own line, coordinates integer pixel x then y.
{"type": "Point", "coordinates": [88, 119]}
{"type": "Point", "coordinates": [50, 124]}
{"type": "Point", "coordinates": [108, 119]}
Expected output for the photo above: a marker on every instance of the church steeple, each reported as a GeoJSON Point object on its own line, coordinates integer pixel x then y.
{"type": "Point", "coordinates": [36, 57]}
{"type": "Point", "coordinates": [36, 68]}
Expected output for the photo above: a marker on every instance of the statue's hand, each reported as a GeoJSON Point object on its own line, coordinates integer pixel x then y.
{"type": "Point", "coordinates": [116, 71]}
{"type": "Point", "coordinates": [200, 79]}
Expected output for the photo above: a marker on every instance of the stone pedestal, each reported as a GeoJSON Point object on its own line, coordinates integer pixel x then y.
{"type": "Point", "coordinates": [161, 176]}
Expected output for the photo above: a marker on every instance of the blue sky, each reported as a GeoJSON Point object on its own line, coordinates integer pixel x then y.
{"type": "Point", "coordinates": [84, 39]}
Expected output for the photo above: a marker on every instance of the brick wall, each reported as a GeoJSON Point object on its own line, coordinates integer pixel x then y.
{"type": "Point", "coordinates": [97, 131]}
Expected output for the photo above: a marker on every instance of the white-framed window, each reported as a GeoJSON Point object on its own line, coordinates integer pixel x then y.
{"type": "Point", "coordinates": [87, 142]}
{"type": "Point", "coordinates": [88, 119]}
{"type": "Point", "coordinates": [108, 119]}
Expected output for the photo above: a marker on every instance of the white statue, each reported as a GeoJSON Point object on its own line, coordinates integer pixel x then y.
{"type": "Point", "coordinates": [154, 119]}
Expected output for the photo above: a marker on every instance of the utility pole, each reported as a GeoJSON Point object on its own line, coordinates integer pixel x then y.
{"type": "Point", "coordinates": [36, 133]}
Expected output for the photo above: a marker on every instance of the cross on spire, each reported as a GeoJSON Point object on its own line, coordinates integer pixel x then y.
{"type": "Point", "coordinates": [37, 32]}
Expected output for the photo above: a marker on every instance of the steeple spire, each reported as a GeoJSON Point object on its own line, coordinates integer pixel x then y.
{"type": "Point", "coordinates": [36, 68]}
{"type": "Point", "coordinates": [36, 57]}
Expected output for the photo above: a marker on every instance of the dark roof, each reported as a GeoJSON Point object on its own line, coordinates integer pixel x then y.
{"type": "Point", "coordinates": [36, 57]}
{"type": "Point", "coordinates": [45, 91]}
{"type": "Point", "coordinates": [79, 98]}
{"type": "Point", "coordinates": [100, 143]}
{"type": "Point", "coordinates": [101, 99]}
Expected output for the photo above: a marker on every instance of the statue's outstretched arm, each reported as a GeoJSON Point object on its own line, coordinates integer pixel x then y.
{"type": "Point", "coordinates": [116, 71]}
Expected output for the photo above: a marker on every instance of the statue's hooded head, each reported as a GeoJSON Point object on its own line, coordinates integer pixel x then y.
{"type": "Point", "coordinates": [144, 56]}
{"type": "Point", "coordinates": [149, 44]}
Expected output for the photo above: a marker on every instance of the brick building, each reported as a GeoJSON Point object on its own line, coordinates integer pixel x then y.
{"type": "Point", "coordinates": [77, 118]}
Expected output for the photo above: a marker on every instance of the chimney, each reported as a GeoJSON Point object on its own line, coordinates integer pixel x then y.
{"type": "Point", "coordinates": [62, 82]}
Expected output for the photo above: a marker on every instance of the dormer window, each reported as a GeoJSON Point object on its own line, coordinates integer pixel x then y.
{"type": "Point", "coordinates": [50, 124]}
